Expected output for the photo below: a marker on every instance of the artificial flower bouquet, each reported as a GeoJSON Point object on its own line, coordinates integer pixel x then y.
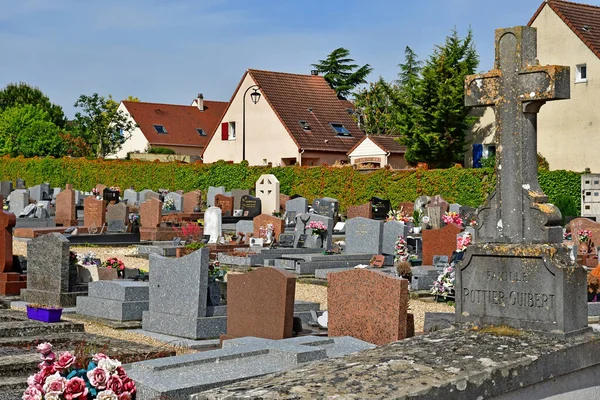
{"type": "Point", "coordinates": [63, 378]}
{"type": "Point", "coordinates": [115, 263]}
{"type": "Point", "coordinates": [318, 228]}
{"type": "Point", "coordinates": [444, 284]}
{"type": "Point", "coordinates": [584, 235]}
{"type": "Point", "coordinates": [452, 218]}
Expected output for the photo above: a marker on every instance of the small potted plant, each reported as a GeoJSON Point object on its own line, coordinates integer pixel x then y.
{"type": "Point", "coordinates": [416, 219]}
{"type": "Point", "coordinates": [188, 248]}
{"type": "Point", "coordinates": [116, 264]}
{"type": "Point", "coordinates": [216, 283]}
{"type": "Point", "coordinates": [40, 312]}
{"type": "Point", "coordinates": [318, 229]}
{"type": "Point", "coordinates": [593, 284]}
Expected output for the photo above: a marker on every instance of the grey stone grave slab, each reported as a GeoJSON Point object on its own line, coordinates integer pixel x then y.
{"type": "Point", "coordinates": [40, 192]}
{"type": "Point", "coordinates": [299, 205]}
{"type": "Point", "coordinates": [177, 200]}
{"type": "Point", "coordinates": [35, 223]}
{"type": "Point", "coordinates": [51, 280]}
{"type": "Point", "coordinates": [116, 217]}
{"type": "Point", "coordinates": [20, 184]}
{"type": "Point", "coordinates": [364, 236]}
{"type": "Point", "coordinates": [131, 196]}
{"type": "Point", "coordinates": [180, 377]}
{"type": "Point", "coordinates": [454, 207]}
{"type": "Point", "coordinates": [237, 197]}
{"type": "Point", "coordinates": [148, 194]}
{"type": "Point", "coordinates": [19, 199]}
{"type": "Point", "coordinates": [323, 273]}
{"type": "Point", "coordinates": [244, 226]}
{"type": "Point", "coordinates": [313, 241]}
{"type": "Point", "coordinates": [391, 231]}
{"type": "Point", "coordinates": [423, 276]}
{"type": "Point", "coordinates": [120, 300]}
{"type": "Point", "coordinates": [5, 188]}
{"type": "Point", "coordinates": [212, 192]}
{"type": "Point", "coordinates": [178, 298]}
{"type": "Point", "coordinates": [436, 321]}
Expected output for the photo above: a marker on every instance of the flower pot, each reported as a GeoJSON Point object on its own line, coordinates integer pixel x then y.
{"type": "Point", "coordinates": [416, 230]}
{"type": "Point", "coordinates": [44, 314]}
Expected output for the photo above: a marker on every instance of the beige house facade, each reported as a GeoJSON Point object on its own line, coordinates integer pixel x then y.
{"type": "Point", "coordinates": [567, 34]}
{"type": "Point", "coordinates": [378, 151]}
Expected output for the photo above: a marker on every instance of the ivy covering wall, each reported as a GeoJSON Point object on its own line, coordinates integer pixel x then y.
{"type": "Point", "coordinates": [468, 187]}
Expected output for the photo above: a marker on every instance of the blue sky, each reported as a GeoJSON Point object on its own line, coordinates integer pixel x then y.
{"type": "Point", "coordinates": [169, 50]}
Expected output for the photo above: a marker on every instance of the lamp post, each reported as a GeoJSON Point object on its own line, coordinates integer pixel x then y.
{"type": "Point", "coordinates": [255, 96]}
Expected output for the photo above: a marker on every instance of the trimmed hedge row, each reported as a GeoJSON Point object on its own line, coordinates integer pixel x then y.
{"type": "Point", "coordinates": [352, 187]}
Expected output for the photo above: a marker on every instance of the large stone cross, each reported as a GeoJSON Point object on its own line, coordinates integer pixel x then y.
{"type": "Point", "coordinates": [517, 211]}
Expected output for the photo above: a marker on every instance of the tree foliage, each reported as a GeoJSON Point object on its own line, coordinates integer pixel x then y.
{"type": "Point", "coordinates": [28, 130]}
{"type": "Point", "coordinates": [103, 126]}
{"type": "Point", "coordinates": [375, 107]}
{"type": "Point", "coordinates": [341, 73]}
{"type": "Point", "coordinates": [15, 94]}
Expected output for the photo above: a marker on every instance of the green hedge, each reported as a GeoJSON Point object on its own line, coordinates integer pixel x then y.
{"type": "Point", "coordinates": [352, 187]}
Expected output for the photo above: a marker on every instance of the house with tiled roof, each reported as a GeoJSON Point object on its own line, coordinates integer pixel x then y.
{"type": "Point", "coordinates": [184, 129]}
{"type": "Point", "coordinates": [567, 34]}
{"type": "Point", "coordinates": [379, 151]}
{"type": "Point", "coordinates": [284, 119]}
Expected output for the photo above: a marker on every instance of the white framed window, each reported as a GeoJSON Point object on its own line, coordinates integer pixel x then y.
{"type": "Point", "coordinates": [580, 73]}
{"type": "Point", "coordinates": [231, 131]}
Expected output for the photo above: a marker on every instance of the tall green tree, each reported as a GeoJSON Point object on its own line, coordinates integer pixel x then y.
{"type": "Point", "coordinates": [341, 73]}
{"type": "Point", "coordinates": [101, 124]}
{"type": "Point", "coordinates": [435, 120]}
{"type": "Point", "coordinates": [15, 94]}
{"type": "Point", "coordinates": [29, 131]}
{"type": "Point", "coordinates": [376, 108]}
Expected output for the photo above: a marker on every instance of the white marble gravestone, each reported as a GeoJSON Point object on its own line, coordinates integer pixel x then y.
{"type": "Point", "coordinates": [267, 190]}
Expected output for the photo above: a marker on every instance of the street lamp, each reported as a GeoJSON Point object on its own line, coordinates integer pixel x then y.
{"type": "Point", "coordinates": [255, 97]}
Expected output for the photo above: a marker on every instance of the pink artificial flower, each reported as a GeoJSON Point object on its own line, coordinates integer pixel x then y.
{"type": "Point", "coordinates": [44, 373]}
{"type": "Point", "coordinates": [44, 348]}
{"type": "Point", "coordinates": [99, 356]}
{"type": "Point", "coordinates": [76, 389]}
{"type": "Point", "coordinates": [49, 357]}
{"type": "Point", "coordinates": [115, 384]}
{"type": "Point", "coordinates": [125, 396]}
{"type": "Point", "coordinates": [32, 393]}
{"type": "Point", "coordinates": [106, 395]}
{"type": "Point", "coordinates": [129, 385]}
{"type": "Point", "coordinates": [55, 384]}
{"type": "Point", "coordinates": [121, 372]}
{"type": "Point", "coordinates": [65, 361]}
{"type": "Point", "coordinates": [98, 378]}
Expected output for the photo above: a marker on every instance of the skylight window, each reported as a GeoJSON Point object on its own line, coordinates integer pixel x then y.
{"type": "Point", "coordinates": [160, 129]}
{"type": "Point", "coordinates": [200, 132]}
{"type": "Point", "coordinates": [304, 125]}
{"type": "Point", "coordinates": [340, 130]}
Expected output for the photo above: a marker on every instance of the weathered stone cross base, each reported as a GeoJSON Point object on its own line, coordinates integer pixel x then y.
{"type": "Point", "coordinates": [534, 287]}
{"type": "Point", "coordinates": [448, 364]}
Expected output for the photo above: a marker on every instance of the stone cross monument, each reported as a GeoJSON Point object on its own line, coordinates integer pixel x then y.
{"type": "Point", "coordinates": [518, 272]}
{"type": "Point", "coordinates": [517, 212]}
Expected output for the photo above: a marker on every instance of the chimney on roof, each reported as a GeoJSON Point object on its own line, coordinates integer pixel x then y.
{"type": "Point", "coordinates": [200, 102]}
{"type": "Point", "coordinates": [314, 72]}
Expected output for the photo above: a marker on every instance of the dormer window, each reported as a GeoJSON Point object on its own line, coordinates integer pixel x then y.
{"type": "Point", "coordinates": [581, 73]}
{"type": "Point", "coordinates": [340, 130]}
{"type": "Point", "coordinates": [305, 126]}
{"type": "Point", "coordinates": [160, 129]}
{"type": "Point", "coordinates": [200, 132]}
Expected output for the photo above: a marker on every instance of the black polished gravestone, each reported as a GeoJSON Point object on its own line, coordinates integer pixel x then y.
{"type": "Point", "coordinates": [111, 195]}
{"type": "Point", "coordinates": [518, 272]}
{"type": "Point", "coordinates": [251, 206]}
{"type": "Point", "coordinates": [327, 207]}
{"type": "Point", "coordinates": [381, 208]}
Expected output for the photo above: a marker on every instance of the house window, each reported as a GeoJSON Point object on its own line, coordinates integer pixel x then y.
{"type": "Point", "coordinates": [581, 73]}
{"type": "Point", "coordinates": [160, 129]}
{"type": "Point", "coordinates": [489, 150]}
{"type": "Point", "coordinates": [340, 130]}
{"type": "Point", "coordinates": [200, 132]}
{"type": "Point", "coordinates": [231, 131]}
{"type": "Point", "coordinates": [305, 126]}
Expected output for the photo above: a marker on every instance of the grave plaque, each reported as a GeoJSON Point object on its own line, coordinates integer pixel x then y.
{"type": "Point", "coordinates": [93, 212]}
{"type": "Point", "coordinates": [327, 207]}
{"type": "Point", "coordinates": [225, 203]}
{"type": "Point", "coordinates": [518, 272]}
{"type": "Point", "coordinates": [364, 236]}
{"type": "Point", "coordinates": [262, 222]}
{"type": "Point", "coordinates": [301, 240]}
{"type": "Point", "coordinates": [237, 197]}
{"type": "Point", "coordinates": [381, 208]}
{"type": "Point", "coordinates": [286, 240]}
{"type": "Point", "coordinates": [251, 206]}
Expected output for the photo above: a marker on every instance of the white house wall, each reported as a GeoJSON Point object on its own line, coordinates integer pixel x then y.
{"type": "Point", "coordinates": [267, 140]}
{"type": "Point", "coordinates": [368, 149]}
{"type": "Point", "coordinates": [137, 141]}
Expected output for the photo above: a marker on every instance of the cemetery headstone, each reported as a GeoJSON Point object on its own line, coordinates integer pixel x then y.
{"type": "Point", "coordinates": [283, 198]}
{"type": "Point", "coordinates": [377, 310]}
{"type": "Point", "coordinates": [454, 207]}
{"type": "Point", "coordinates": [407, 208]}
{"type": "Point", "coordinates": [131, 196]}
{"type": "Point", "coordinates": [117, 216]}
{"type": "Point", "coordinates": [244, 226]}
{"type": "Point", "coordinates": [391, 231]}
{"type": "Point", "coordinates": [286, 240]}
{"type": "Point", "coordinates": [212, 192]}
{"type": "Point", "coordinates": [518, 272]}
{"type": "Point", "coordinates": [261, 223]}
{"type": "Point", "coordinates": [150, 213]}
{"type": "Point", "coordinates": [439, 242]}
{"type": "Point", "coordinates": [110, 195]}
{"type": "Point", "coordinates": [100, 188]}
{"type": "Point", "coordinates": [5, 188]}
{"type": "Point", "coordinates": [147, 194]}
{"type": "Point", "coordinates": [311, 240]}
{"type": "Point", "coordinates": [177, 200]}
{"type": "Point", "coordinates": [93, 212]}
{"type": "Point", "coordinates": [66, 208]}
{"type": "Point", "coordinates": [251, 206]}
{"type": "Point", "coordinates": [381, 208]}
{"type": "Point", "coordinates": [212, 223]}
{"type": "Point", "coordinates": [237, 197]}
{"type": "Point", "coordinates": [11, 282]}
{"type": "Point", "coordinates": [51, 279]}
{"type": "Point", "coordinates": [178, 306]}
{"type": "Point", "coordinates": [364, 236]}
{"type": "Point", "coordinates": [225, 203]}
{"type": "Point", "coordinates": [363, 211]}
{"type": "Point", "coordinates": [261, 304]}
{"type": "Point", "coordinates": [438, 201]}
{"type": "Point", "coordinates": [267, 190]}
{"type": "Point", "coordinates": [192, 201]}
{"type": "Point", "coordinates": [327, 207]}
{"type": "Point", "coordinates": [435, 216]}
{"type": "Point", "coordinates": [421, 203]}
{"type": "Point", "coordinates": [20, 184]}
{"type": "Point", "coordinates": [299, 205]}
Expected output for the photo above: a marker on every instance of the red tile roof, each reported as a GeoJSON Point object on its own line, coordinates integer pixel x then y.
{"type": "Point", "coordinates": [308, 98]}
{"type": "Point", "coordinates": [387, 143]}
{"type": "Point", "coordinates": [583, 19]}
{"type": "Point", "coordinates": [179, 121]}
